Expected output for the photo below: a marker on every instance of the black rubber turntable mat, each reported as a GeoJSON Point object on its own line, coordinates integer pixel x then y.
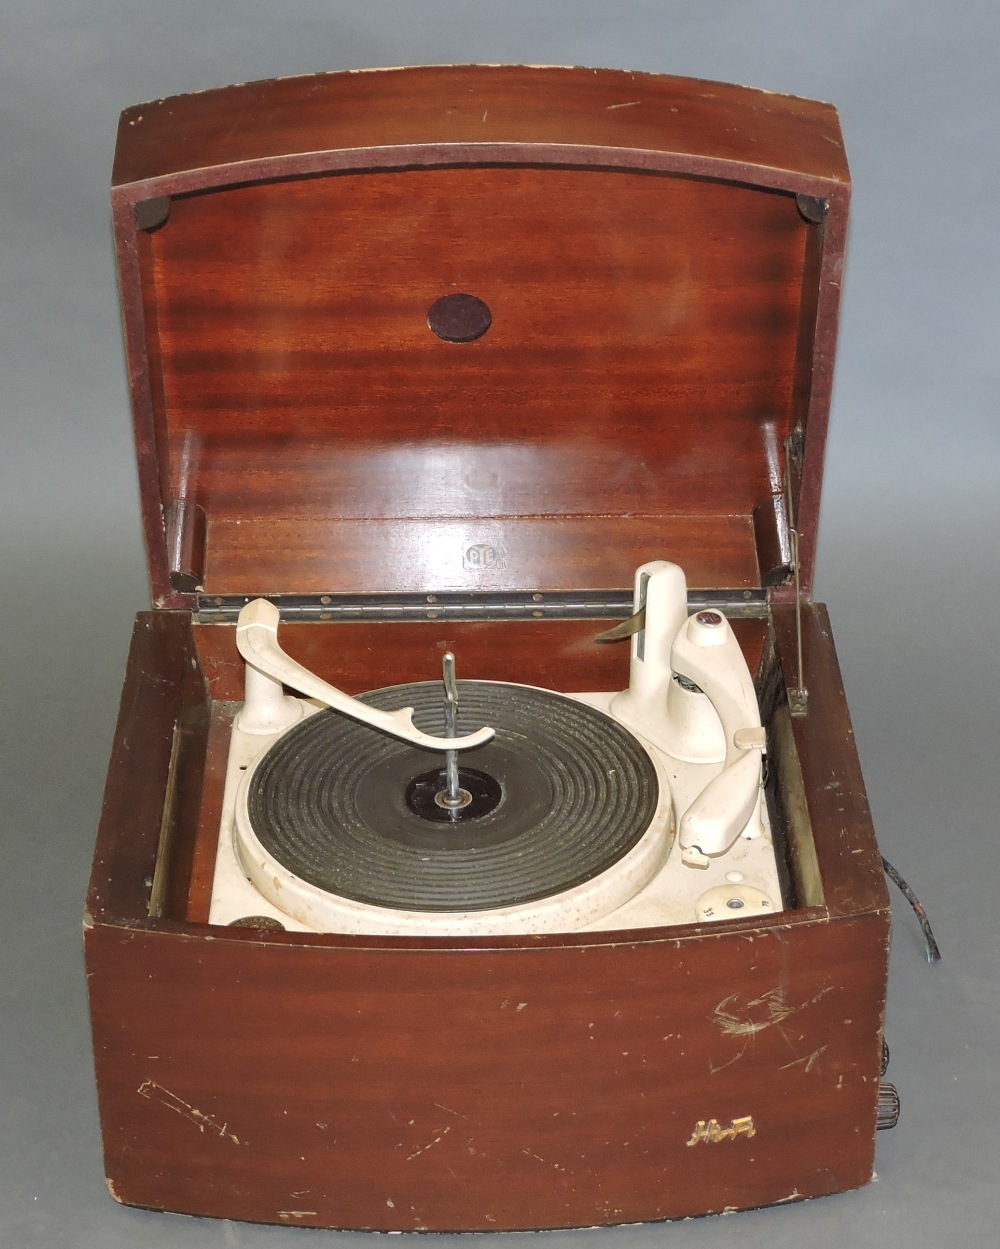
{"type": "Point", "coordinates": [560, 794]}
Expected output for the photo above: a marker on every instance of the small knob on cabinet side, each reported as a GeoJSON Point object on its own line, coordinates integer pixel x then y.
{"type": "Point", "coordinates": [887, 1114]}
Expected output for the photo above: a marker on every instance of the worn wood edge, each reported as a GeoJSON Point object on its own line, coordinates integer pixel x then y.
{"type": "Point", "coordinates": [192, 896]}
{"type": "Point", "coordinates": [163, 689]}
{"type": "Point", "coordinates": [818, 383]}
{"type": "Point", "coordinates": [344, 90]}
{"type": "Point", "coordinates": [430, 155]}
{"type": "Point", "coordinates": [847, 853]}
{"type": "Point", "coordinates": [801, 857]}
{"type": "Point", "coordinates": [209, 94]}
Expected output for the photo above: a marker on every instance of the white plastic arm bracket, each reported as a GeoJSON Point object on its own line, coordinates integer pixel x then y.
{"type": "Point", "coordinates": [706, 651]}
{"type": "Point", "coordinates": [257, 641]}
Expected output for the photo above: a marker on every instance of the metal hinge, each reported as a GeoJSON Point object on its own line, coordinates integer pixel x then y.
{"type": "Point", "coordinates": [537, 605]}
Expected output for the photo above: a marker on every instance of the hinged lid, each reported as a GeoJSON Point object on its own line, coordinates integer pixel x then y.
{"type": "Point", "coordinates": [480, 329]}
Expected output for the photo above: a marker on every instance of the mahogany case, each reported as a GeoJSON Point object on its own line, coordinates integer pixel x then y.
{"type": "Point", "coordinates": [640, 368]}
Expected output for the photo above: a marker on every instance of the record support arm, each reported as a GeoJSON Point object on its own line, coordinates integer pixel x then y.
{"type": "Point", "coordinates": [257, 641]}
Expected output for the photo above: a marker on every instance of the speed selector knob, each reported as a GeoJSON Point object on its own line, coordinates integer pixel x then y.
{"type": "Point", "coordinates": [887, 1114]}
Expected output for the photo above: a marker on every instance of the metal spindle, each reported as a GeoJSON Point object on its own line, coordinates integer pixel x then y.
{"type": "Point", "coordinates": [450, 729]}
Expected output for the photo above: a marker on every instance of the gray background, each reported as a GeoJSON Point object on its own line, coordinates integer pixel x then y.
{"type": "Point", "coordinates": [908, 558]}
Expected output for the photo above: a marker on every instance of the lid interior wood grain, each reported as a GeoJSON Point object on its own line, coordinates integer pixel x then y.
{"type": "Point", "coordinates": [415, 370]}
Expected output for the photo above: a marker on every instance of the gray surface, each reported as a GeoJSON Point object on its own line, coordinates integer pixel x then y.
{"type": "Point", "coordinates": [908, 561]}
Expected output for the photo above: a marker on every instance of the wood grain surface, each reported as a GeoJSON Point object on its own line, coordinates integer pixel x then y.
{"type": "Point", "coordinates": [506, 1082]}
{"type": "Point", "coordinates": [663, 316]}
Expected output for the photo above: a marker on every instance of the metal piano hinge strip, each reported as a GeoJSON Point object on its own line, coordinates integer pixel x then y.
{"type": "Point", "coordinates": [551, 605]}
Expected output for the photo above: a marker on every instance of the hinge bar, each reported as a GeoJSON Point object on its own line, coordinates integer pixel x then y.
{"type": "Point", "coordinates": [550, 605]}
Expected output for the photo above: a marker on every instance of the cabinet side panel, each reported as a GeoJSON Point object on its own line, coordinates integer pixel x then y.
{"type": "Point", "coordinates": [564, 1086]}
{"type": "Point", "coordinates": [154, 776]}
{"type": "Point", "coordinates": [847, 852]}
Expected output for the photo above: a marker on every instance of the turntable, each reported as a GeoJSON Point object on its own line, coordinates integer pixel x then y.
{"type": "Point", "coordinates": [559, 816]}
{"type": "Point", "coordinates": [484, 844]}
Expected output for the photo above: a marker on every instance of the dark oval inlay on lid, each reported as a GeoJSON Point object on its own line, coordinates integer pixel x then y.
{"type": "Point", "coordinates": [459, 318]}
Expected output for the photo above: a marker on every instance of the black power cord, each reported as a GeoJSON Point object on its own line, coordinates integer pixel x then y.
{"type": "Point", "coordinates": [933, 952]}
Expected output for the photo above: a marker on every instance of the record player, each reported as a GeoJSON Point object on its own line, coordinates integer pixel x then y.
{"type": "Point", "coordinates": [484, 843]}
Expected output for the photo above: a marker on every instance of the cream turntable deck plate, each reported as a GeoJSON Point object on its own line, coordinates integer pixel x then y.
{"type": "Point", "coordinates": [363, 818]}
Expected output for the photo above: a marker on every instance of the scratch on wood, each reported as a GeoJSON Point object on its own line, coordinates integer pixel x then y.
{"type": "Point", "coordinates": [430, 1144]}
{"type": "Point", "coordinates": [746, 1019]}
{"type": "Point", "coordinates": [544, 1161]}
{"type": "Point", "coordinates": [448, 1111]}
{"type": "Point", "coordinates": [295, 1214]}
{"type": "Point", "coordinates": [713, 1069]}
{"type": "Point", "coordinates": [628, 104]}
{"type": "Point", "coordinates": [736, 1018]}
{"type": "Point", "coordinates": [808, 1059]}
{"type": "Point", "coordinates": [157, 1093]}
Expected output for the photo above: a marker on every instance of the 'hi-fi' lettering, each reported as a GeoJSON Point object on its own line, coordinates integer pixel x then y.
{"type": "Point", "coordinates": [712, 1131]}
